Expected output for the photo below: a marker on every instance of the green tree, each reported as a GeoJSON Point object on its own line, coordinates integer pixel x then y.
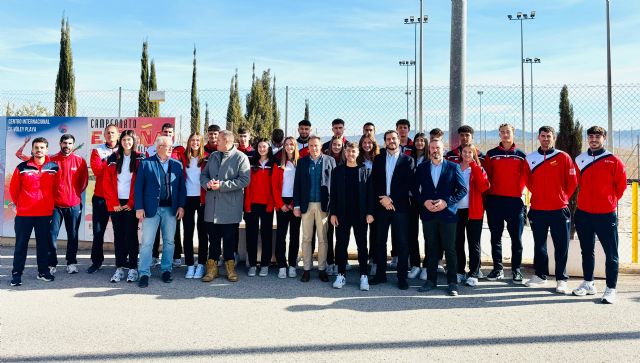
{"type": "Point", "coordinates": [569, 140]}
{"type": "Point", "coordinates": [206, 117]}
{"type": "Point", "coordinates": [306, 109]}
{"type": "Point", "coordinates": [195, 102]}
{"type": "Point", "coordinates": [234, 111]}
{"type": "Point", "coordinates": [260, 114]}
{"type": "Point", "coordinates": [65, 98]}
{"type": "Point", "coordinates": [143, 94]}
{"type": "Point", "coordinates": [154, 107]}
{"type": "Point", "coordinates": [29, 109]}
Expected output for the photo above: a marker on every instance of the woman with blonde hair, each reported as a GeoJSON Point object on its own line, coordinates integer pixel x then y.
{"type": "Point", "coordinates": [368, 150]}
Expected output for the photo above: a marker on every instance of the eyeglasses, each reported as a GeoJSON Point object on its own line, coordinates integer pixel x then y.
{"type": "Point", "coordinates": [167, 146]}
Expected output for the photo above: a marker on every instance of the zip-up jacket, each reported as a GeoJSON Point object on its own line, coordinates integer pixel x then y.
{"type": "Point", "coordinates": [31, 188]}
{"type": "Point", "coordinates": [455, 155]}
{"type": "Point", "coordinates": [303, 147]}
{"type": "Point", "coordinates": [209, 149]}
{"type": "Point", "coordinates": [478, 184]}
{"type": "Point", "coordinates": [408, 148]}
{"type": "Point", "coordinates": [185, 164]}
{"type": "Point", "coordinates": [98, 161]}
{"type": "Point", "coordinates": [507, 171]}
{"type": "Point", "coordinates": [259, 189]}
{"type": "Point", "coordinates": [71, 180]}
{"type": "Point", "coordinates": [551, 178]}
{"type": "Point", "coordinates": [602, 180]}
{"type": "Point", "coordinates": [110, 182]}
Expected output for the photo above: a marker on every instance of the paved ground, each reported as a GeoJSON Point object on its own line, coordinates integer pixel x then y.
{"type": "Point", "coordinates": [84, 317]}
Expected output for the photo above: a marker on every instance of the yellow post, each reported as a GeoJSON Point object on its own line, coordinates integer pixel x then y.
{"type": "Point", "coordinates": [634, 222]}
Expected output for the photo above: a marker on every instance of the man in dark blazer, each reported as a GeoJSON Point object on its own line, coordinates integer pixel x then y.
{"type": "Point", "coordinates": [392, 179]}
{"type": "Point", "coordinates": [439, 187]}
{"type": "Point", "coordinates": [160, 196]}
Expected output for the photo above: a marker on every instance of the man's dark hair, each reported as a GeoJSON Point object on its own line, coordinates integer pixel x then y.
{"type": "Point", "coordinates": [214, 128]}
{"type": "Point", "coordinates": [465, 129]}
{"type": "Point", "coordinates": [436, 133]}
{"type": "Point", "coordinates": [337, 121]}
{"type": "Point", "coordinates": [41, 140]}
{"type": "Point", "coordinates": [167, 126]}
{"type": "Point", "coordinates": [389, 132]}
{"type": "Point", "coordinates": [277, 135]}
{"type": "Point", "coordinates": [67, 137]}
{"type": "Point", "coordinates": [369, 124]}
{"type": "Point", "coordinates": [597, 130]}
{"type": "Point", "coordinates": [403, 121]}
{"type": "Point", "coordinates": [304, 123]}
{"type": "Point", "coordinates": [547, 129]}
{"type": "Point", "coordinates": [243, 130]}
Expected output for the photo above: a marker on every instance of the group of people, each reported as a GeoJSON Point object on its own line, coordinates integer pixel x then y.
{"type": "Point", "coordinates": [324, 191]}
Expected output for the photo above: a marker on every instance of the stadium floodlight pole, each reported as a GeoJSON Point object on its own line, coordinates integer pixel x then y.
{"type": "Point", "coordinates": [520, 16]}
{"type": "Point", "coordinates": [609, 96]}
{"type": "Point", "coordinates": [420, 104]}
{"type": "Point", "coordinates": [532, 62]}
{"type": "Point", "coordinates": [480, 93]}
{"type": "Point", "coordinates": [412, 20]}
{"type": "Point", "coordinates": [407, 64]}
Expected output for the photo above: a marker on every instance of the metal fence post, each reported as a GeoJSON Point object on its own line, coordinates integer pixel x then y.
{"type": "Point", "coordinates": [286, 111]}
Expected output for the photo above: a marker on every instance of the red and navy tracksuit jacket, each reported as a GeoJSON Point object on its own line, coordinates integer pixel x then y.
{"type": "Point", "coordinates": [602, 180]}
{"type": "Point", "coordinates": [455, 155]}
{"type": "Point", "coordinates": [303, 147]}
{"type": "Point", "coordinates": [209, 149]}
{"type": "Point", "coordinates": [408, 148]}
{"type": "Point", "coordinates": [551, 178]}
{"type": "Point", "coordinates": [98, 162]}
{"type": "Point", "coordinates": [507, 171]}
{"type": "Point", "coordinates": [31, 188]}
{"type": "Point", "coordinates": [110, 182]}
{"type": "Point", "coordinates": [71, 180]}
{"type": "Point", "coordinates": [259, 189]}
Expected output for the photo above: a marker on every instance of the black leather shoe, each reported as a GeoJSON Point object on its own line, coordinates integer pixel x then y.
{"type": "Point", "coordinates": [166, 277]}
{"type": "Point", "coordinates": [324, 277]}
{"type": "Point", "coordinates": [428, 286]}
{"type": "Point", "coordinates": [93, 268]}
{"type": "Point", "coordinates": [144, 281]}
{"type": "Point", "coordinates": [452, 290]}
{"type": "Point", "coordinates": [377, 281]}
{"type": "Point", "coordinates": [403, 285]}
{"type": "Point", "coordinates": [306, 276]}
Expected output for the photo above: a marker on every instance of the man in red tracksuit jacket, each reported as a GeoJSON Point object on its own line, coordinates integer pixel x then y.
{"type": "Point", "coordinates": [465, 137]}
{"type": "Point", "coordinates": [506, 167]}
{"type": "Point", "coordinates": [304, 132]}
{"type": "Point", "coordinates": [31, 191]}
{"type": "Point", "coordinates": [602, 181]}
{"type": "Point", "coordinates": [551, 178]}
{"type": "Point", "coordinates": [71, 181]}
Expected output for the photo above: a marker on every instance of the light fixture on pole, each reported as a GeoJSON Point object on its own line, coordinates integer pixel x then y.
{"type": "Point", "coordinates": [520, 16]}
{"type": "Point", "coordinates": [412, 20]}
{"type": "Point", "coordinates": [480, 93]}
{"type": "Point", "coordinates": [532, 61]}
{"type": "Point", "coordinates": [407, 64]}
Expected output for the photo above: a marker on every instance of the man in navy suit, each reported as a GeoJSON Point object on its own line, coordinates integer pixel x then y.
{"type": "Point", "coordinates": [160, 196]}
{"type": "Point", "coordinates": [392, 179]}
{"type": "Point", "coordinates": [440, 186]}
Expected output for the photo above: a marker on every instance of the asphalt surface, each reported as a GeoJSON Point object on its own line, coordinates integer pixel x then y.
{"type": "Point", "coordinates": [86, 318]}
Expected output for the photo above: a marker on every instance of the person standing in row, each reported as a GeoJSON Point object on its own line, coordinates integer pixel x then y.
{"type": "Point", "coordinates": [420, 154]}
{"type": "Point", "coordinates": [601, 183]}
{"type": "Point", "coordinates": [224, 177]}
{"type": "Point", "coordinates": [368, 150]}
{"type": "Point", "coordinates": [118, 186]}
{"type": "Point", "coordinates": [31, 191]}
{"type": "Point", "coordinates": [369, 129]}
{"type": "Point", "coordinates": [277, 143]}
{"type": "Point", "coordinates": [552, 180]}
{"type": "Point", "coordinates": [465, 138]}
{"type": "Point", "coordinates": [304, 132]}
{"type": "Point", "coordinates": [403, 126]}
{"type": "Point", "coordinates": [71, 181]}
{"type": "Point", "coordinates": [335, 151]}
{"type": "Point", "coordinates": [337, 127]}
{"type": "Point", "coordinates": [311, 202]}
{"type": "Point", "coordinates": [283, 178]}
{"type": "Point", "coordinates": [212, 139]}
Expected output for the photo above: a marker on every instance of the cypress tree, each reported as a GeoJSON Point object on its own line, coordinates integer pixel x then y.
{"type": "Point", "coordinates": [65, 98]}
{"type": "Point", "coordinates": [154, 107]}
{"type": "Point", "coordinates": [306, 109]}
{"type": "Point", "coordinates": [234, 111]}
{"type": "Point", "coordinates": [143, 93]}
{"type": "Point", "coordinates": [195, 103]}
{"type": "Point", "coordinates": [206, 117]}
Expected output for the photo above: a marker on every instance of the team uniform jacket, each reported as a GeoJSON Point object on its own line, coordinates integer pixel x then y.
{"type": "Point", "coordinates": [98, 162]}
{"type": "Point", "coordinates": [209, 149]}
{"type": "Point", "coordinates": [259, 189]}
{"type": "Point", "coordinates": [303, 147]}
{"type": "Point", "coordinates": [110, 182]}
{"type": "Point", "coordinates": [507, 171]}
{"type": "Point", "coordinates": [478, 184]}
{"type": "Point", "coordinates": [551, 178]}
{"type": "Point", "coordinates": [248, 150]}
{"type": "Point", "coordinates": [71, 180]}
{"type": "Point", "coordinates": [185, 164]}
{"type": "Point", "coordinates": [602, 180]}
{"type": "Point", "coordinates": [408, 148]}
{"type": "Point", "coordinates": [455, 156]}
{"type": "Point", "coordinates": [31, 188]}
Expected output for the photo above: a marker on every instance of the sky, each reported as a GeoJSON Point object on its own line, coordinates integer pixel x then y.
{"type": "Point", "coordinates": [313, 43]}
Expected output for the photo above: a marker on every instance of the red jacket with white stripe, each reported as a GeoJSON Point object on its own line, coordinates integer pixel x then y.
{"type": "Point", "coordinates": [478, 184]}
{"type": "Point", "coordinates": [31, 188]}
{"type": "Point", "coordinates": [602, 180]}
{"type": "Point", "coordinates": [507, 171]}
{"type": "Point", "coordinates": [259, 189]}
{"type": "Point", "coordinates": [110, 183]}
{"type": "Point", "coordinates": [408, 148]}
{"type": "Point", "coordinates": [551, 178]}
{"type": "Point", "coordinates": [98, 162]}
{"type": "Point", "coordinates": [71, 180]}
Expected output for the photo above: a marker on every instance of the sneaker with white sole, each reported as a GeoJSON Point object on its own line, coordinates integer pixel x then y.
{"type": "Point", "coordinates": [461, 278]}
{"type": "Point", "coordinates": [585, 288]}
{"type": "Point", "coordinates": [471, 281]}
{"type": "Point", "coordinates": [199, 272]}
{"type": "Point", "coordinates": [423, 274]}
{"type": "Point", "coordinates": [118, 275]}
{"type": "Point", "coordinates": [394, 263]}
{"type": "Point", "coordinates": [536, 281]}
{"type": "Point", "coordinates": [191, 271]}
{"type": "Point", "coordinates": [177, 262]}
{"type": "Point", "coordinates": [47, 276]}
{"type": "Point", "coordinates": [442, 269]}
{"type": "Point", "coordinates": [72, 268]}
{"type": "Point", "coordinates": [609, 296]}
{"type": "Point", "coordinates": [282, 273]}
{"type": "Point", "coordinates": [132, 276]}
{"type": "Point", "coordinates": [340, 282]}
{"type": "Point", "coordinates": [364, 283]}
{"type": "Point", "coordinates": [495, 275]}
{"type": "Point", "coordinates": [252, 271]}
{"type": "Point", "coordinates": [292, 271]}
{"type": "Point", "coordinates": [414, 272]}
{"type": "Point", "coordinates": [53, 270]}
{"type": "Point", "coordinates": [264, 271]}
{"type": "Point", "coordinates": [561, 287]}
{"type": "Point", "coordinates": [374, 269]}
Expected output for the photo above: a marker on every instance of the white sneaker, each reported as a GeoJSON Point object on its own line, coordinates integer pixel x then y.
{"type": "Point", "coordinates": [282, 273]}
{"type": "Point", "coordinates": [132, 276]}
{"type": "Point", "coordinates": [536, 281]}
{"type": "Point", "coordinates": [252, 271]}
{"type": "Point", "coordinates": [585, 288]}
{"type": "Point", "coordinates": [561, 287]}
{"type": "Point", "coordinates": [191, 271]}
{"type": "Point", "coordinates": [53, 270]}
{"type": "Point", "coordinates": [348, 267]}
{"type": "Point", "coordinates": [414, 272]}
{"type": "Point", "coordinates": [72, 268]}
{"type": "Point", "coordinates": [177, 262]}
{"type": "Point", "coordinates": [340, 282]}
{"type": "Point", "coordinates": [374, 269]}
{"type": "Point", "coordinates": [461, 278]}
{"type": "Point", "coordinates": [442, 269]}
{"type": "Point", "coordinates": [292, 271]}
{"type": "Point", "coordinates": [199, 272]}
{"type": "Point", "coordinates": [472, 281]}
{"type": "Point", "coordinates": [264, 271]}
{"type": "Point", "coordinates": [364, 283]}
{"type": "Point", "coordinates": [423, 274]}
{"type": "Point", "coordinates": [394, 263]}
{"type": "Point", "coordinates": [118, 275]}
{"type": "Point", "coordinates": [609, 296]}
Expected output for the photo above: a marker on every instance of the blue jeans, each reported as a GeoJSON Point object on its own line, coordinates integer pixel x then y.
{"type": "Point", "coordinates": [72, 217]}
{"type": "Point", "coordinates": [167, 222]}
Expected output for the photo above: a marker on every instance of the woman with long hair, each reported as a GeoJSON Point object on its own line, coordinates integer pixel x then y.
{"type": "Point", "coordinates": [282, 181]}
{"type": "Point", "coordinates": [258, 208]}
{"type": "Point", "coordinates": [420, 153]}
{"type": "Point", "coordinates": [193, 160]}
{"type": "Point", "coordinates": [368, 150]}
{"type": "Point", "coordinates": [118, 184]}
{"type": "Point", "coordinates": [335, 150]}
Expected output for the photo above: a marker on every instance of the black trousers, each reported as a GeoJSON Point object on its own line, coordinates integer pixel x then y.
{"type": "Point", "coordinates": [330, 245]}
{"type": "Point", "coordinates": [23, 227]}
{"type": "Point", "coordinates": [125, 237]}
{"type": "Point", "coordinates": [286, 221]}
{"type": "Point", "coordinates": [414, 228]}
{"type": "Point", "coordinates": [399, 231]}
{"type": "Point", "coordinates": [510, 210]}
{"type": "Point", "coordinates": [473, 229]}
{"type": "Point", "coordinates": [259, 220]}
{"type": "Point", "coordinates": [441, 235]}
{"type": "Point", "coordinates": [559, 222]}
{"type": "Point", "coordinates": [372, 241]}
{"type": "Point", "coordinates": [189, 223]}
{"type": "Point", "coordinates": [99, 219]}
{"type": "Point", "coordinates": [221, 236]}
{"type": "Point", "coordinates": [605, 226]}
{"type": "Point", "coordinates": [343, 235]}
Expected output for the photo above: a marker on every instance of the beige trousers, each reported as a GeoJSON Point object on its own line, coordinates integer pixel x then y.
{"type": "Point", "coordinates": [316, 216]}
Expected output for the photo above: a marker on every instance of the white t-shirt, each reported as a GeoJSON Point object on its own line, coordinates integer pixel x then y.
{"type": "Point", "coordinates": [124, 178]}
{"type": "Point", "coordinates": [464, 202]}
{"type": "Point", "coordinates": [287, 180]}
{"type": "Point", "coordinates": [193, 178]}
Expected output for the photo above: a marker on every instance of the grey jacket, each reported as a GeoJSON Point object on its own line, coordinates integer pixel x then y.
{"type": "Point", "coordinates": [224, 206]}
